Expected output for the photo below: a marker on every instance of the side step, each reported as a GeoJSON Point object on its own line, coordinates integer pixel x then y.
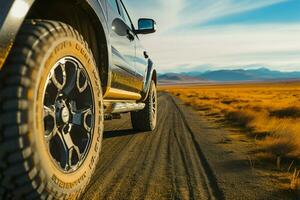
{"type": "Point", "coordinates": [113, 110]}
{"type": "Point", "coordinates": [111, 107]}
{"type": "Point", "coordinates": [126, 107]}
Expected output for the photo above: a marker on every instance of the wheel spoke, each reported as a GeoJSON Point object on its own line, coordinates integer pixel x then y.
{"type": "Point", "coordinates": [49, 122]}
{"type": "Point", "coordinates": [83, 118]}
{"type": "Point", "coordinates": [68, 146]}
{"type": "Point", "coordinates": [73, 153]}
{"type": "Point", "coordinates": [55, 76]}
{"type": "Point", "coordinates": [50, 136]}
{"type": "Point", "coordinates": [79, 79]}
{"type": "Point", "coordinates": [154, 105]}
{"type": "Point", "coordinates": [49, 111]}
{"type": "Point", "coordinates": [66, 136]}
{"type": "Point", "coordinates": [71, 82]}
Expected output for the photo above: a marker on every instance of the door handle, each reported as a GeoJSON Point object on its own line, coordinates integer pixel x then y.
{"type": "Point", "coordinates": [130, 36]}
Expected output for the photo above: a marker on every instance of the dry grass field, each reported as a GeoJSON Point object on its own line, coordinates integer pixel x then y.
{"type": "Point", "coordinates": [268, 112]}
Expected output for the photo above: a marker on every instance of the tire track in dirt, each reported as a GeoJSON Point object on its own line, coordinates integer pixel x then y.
{"type": "Point", "coordinates": [206, 171]}
{"type": "Point", "coordinates": [164, 164]}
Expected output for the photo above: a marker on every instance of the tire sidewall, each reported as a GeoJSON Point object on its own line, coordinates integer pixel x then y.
{"type": "Point", "coordinates": [56, 180]}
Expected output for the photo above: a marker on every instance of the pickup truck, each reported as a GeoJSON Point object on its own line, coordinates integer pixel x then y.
{"type": "Point", "coordinates": [65, 67]}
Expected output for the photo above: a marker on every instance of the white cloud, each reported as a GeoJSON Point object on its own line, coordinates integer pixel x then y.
{"type": "Point", "coordinates": [274, 45]}
{"type": "Point", "coordinates": [200, 11]}
{"type": "Point", "coordinates": [177, 13]}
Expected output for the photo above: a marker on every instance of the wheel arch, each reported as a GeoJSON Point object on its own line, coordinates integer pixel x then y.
{"type": "Point", "coordinates": [89, 21]}
{"type": "Point", "coordinates": [151, 76]}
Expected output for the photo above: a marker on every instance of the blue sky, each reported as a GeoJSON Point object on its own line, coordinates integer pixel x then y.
{"type": "Point", "coordinates": [222, 34]}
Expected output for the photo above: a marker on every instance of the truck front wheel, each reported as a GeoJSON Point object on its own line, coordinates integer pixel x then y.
{"type": "Point", "coordinates": [51, 118]}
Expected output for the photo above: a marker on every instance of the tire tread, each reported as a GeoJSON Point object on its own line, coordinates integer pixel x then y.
{"type": "Point", "coordinates": [20, 176]}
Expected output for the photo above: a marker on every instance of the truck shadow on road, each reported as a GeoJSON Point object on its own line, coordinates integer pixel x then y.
{"type": "Point", "coordinates": [120, 133]}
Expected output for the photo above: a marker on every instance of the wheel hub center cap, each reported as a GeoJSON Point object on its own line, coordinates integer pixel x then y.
{"type": "Point", "coordinates": [65, 115]}
{"type": "Point", "coordinates": [62, 111]}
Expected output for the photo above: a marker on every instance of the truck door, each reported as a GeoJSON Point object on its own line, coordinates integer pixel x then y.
{"type": "Point", "coordinates": [141, 63]}
{"type": "Point", "coordinates": [124, 80]}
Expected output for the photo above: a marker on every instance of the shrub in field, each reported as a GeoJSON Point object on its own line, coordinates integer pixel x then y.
{"type": "Point", "coordinates": [279, 146]}
{"type": "Point", "coordinates": [242, 118]}
{"type": "Point", "coordinates": [289, 112]}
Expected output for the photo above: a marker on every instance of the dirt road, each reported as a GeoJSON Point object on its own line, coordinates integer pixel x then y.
{"type": "Point", "coordinates": [187, 157]}
{"type": "Point", "coordinates": [164, 164]}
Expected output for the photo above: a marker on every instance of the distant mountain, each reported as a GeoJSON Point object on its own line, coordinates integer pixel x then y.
{"type": "Point", "coordinates": [178, 78]}
{"type": "Point", "coordinates": [266, 73]}
{"type": "Point", "coordinates": [229, 75]}
{"type": "Point", "coordinates": [260, 74]}
{"type": "Point", "coordinates": [193, 73]}
{"type": "Point", "coordinates": [249, 75]}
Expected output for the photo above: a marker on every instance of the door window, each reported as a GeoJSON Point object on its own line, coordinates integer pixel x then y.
{"type": "Point", "coordinates": [113, 4]}
{"type": "Point", "coordinates": [124, 14]}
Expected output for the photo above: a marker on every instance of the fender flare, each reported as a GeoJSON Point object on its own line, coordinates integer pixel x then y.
{"type": "Point", "coordinates": [149, 77]}
{"type": "Point", "coordinates": [14, 12]}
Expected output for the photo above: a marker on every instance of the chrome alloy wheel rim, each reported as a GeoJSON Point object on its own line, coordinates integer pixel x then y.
{"type": "Point", "coordinates": [154, 105]}
{"type": "Point", "coordinates": [68, 114]}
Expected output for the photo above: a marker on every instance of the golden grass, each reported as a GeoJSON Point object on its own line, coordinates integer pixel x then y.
{"type": "Point", "coordinates": [269, 112]}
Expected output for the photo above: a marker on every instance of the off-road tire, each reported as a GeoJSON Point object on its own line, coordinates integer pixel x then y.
{"type": "Point", "coordinates": [145, 120]}
{"type": "Point", "coordinates": [26, 169]}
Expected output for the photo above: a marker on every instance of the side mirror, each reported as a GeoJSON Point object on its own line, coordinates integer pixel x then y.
{"type": "Point", "coordinates": [146, 26]}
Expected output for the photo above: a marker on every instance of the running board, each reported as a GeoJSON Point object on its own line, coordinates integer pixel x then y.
{"type": "Point", "coordinates": [127, 107]}
{"type": "Point", "coordinates": [123, 107]}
